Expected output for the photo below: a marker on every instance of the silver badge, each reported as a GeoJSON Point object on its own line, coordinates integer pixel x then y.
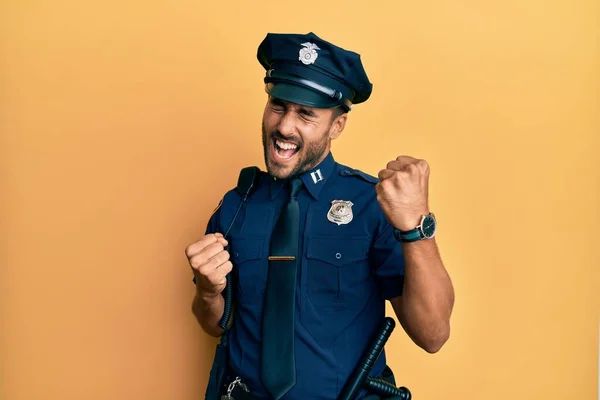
{"type": "Point", "coordinates": [308, 54]}
{"type": "Point", "coordinates": [340, 212]}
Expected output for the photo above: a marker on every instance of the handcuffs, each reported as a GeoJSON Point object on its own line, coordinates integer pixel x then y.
{"type": "Point", "coordinates": [236, 382]}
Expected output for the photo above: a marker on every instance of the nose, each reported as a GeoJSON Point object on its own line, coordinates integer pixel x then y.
{"type": "Point", "coordinates": [287, 126]}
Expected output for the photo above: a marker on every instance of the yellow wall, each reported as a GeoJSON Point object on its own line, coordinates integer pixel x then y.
{"type": "Point", "coordinates": [122, 123]}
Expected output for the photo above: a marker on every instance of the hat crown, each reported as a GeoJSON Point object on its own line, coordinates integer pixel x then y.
{"type": "Point", "coordinates": [306, 58]}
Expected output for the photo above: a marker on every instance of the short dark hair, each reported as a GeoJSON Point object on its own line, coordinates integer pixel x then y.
{"type": "Point", "coordinates": [337, 111]}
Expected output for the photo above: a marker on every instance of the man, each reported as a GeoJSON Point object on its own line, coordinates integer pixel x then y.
{"type": "Point", "coordinates": [317, 247]}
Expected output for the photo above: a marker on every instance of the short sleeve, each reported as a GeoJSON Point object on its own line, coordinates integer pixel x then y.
{"type": "Point", "coordinates": [213, 222]}
{"type": "Point", "coordinates": [388, 259]}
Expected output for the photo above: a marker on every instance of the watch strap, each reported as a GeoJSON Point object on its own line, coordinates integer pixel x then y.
{"type": "Point", "coordinates": [408, 236]}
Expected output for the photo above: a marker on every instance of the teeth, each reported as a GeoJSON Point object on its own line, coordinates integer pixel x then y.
{"type": "Point", "coordinates": [286, 146]}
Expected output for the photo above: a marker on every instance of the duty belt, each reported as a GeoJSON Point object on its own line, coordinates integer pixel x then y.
{"type": "Point", "coordinates": [359, 379]}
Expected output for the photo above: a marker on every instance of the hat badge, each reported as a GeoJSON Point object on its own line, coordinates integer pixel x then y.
{"type": "Point", "coordinates": [308, 54]}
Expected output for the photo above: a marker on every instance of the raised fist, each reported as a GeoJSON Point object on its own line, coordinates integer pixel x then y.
{"type": "Point", "coordinates": [403, 191]}
{"type": "Point", "coordinates": [210, 263]}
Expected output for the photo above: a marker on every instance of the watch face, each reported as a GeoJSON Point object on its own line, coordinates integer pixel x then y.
{"type": "Point", "coordinates": [428, 226]}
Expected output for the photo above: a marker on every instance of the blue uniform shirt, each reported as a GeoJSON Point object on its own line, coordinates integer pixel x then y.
{"type": "Point", "coordinates": [345, 274]}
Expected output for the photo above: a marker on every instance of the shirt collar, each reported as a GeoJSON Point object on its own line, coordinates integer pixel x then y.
{"type": "Point", "coordinates": [314, 180]}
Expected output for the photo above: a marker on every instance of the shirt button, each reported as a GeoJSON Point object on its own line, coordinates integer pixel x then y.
{"type": "Point", "coordinates": [338, 256]}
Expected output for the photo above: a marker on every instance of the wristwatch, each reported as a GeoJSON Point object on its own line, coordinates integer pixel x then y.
{"type": "Point", "coordinates": [425, 230]}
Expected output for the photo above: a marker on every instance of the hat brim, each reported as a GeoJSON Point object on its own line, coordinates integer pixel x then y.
{"type": "Point", "coordinates": [300, 95]}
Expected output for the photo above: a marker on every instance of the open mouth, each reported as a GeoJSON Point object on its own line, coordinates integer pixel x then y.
{"type": "Point", "coordinates": [285, 150]}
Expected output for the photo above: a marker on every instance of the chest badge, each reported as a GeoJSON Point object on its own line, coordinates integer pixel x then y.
{"type": "Point", "coordinates": [340, 212]}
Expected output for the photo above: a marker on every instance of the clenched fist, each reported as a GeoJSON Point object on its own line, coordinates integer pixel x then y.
{"type": "Point", "coordinates": [210, 263]}
{"type": "Point", "coordinates": [403, 191]}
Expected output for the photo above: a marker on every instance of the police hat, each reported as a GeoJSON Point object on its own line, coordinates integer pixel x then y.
{"type": "Point", "coordinates": [308, 70]}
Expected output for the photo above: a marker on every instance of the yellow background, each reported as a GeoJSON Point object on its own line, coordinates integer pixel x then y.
{"type": "Point", "coordinates": [123, 122]}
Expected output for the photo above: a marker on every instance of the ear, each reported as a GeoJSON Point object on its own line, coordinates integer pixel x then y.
{"type": "Point", "coordinates": [338, 125]}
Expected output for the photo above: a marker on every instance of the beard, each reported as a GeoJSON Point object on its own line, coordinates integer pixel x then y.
{"type": "Point", "coordinates": [308, 154]}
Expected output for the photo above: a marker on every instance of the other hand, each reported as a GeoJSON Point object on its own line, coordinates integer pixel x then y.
{"type": "Point", "coordinates": [210, 264]}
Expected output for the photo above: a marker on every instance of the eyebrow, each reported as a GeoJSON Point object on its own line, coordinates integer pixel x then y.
{"type": "Point", "coordinates": [301, 110]}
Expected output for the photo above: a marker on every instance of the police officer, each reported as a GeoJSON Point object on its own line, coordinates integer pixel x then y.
{"type": "Point", "coordinates": [318, 247]}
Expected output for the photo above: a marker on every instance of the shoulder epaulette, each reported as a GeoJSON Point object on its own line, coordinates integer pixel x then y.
{"type": "Point", "coordinates": [347, 171]}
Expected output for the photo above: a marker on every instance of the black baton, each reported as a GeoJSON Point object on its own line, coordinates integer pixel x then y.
{"type": "Point", "coordinates": [361, 372]}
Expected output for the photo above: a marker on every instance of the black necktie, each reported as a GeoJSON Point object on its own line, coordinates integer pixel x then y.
{"type": "Point", "coordinates": [278, 364]}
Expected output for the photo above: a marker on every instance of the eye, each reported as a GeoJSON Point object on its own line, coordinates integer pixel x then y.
{"type": "Point", "coordinates": [277, 109]}
{"type": "Point", "coordinates": [307, 118]}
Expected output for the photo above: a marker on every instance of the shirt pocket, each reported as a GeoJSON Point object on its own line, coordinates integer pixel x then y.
{"type": "Point", "coordinates": [338, 270]}
{"type": "Point", "coordinates": [249, 267]}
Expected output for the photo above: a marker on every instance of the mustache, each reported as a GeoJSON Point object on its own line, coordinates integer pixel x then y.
{"type": "Point", "coordinates": [279, 135]}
